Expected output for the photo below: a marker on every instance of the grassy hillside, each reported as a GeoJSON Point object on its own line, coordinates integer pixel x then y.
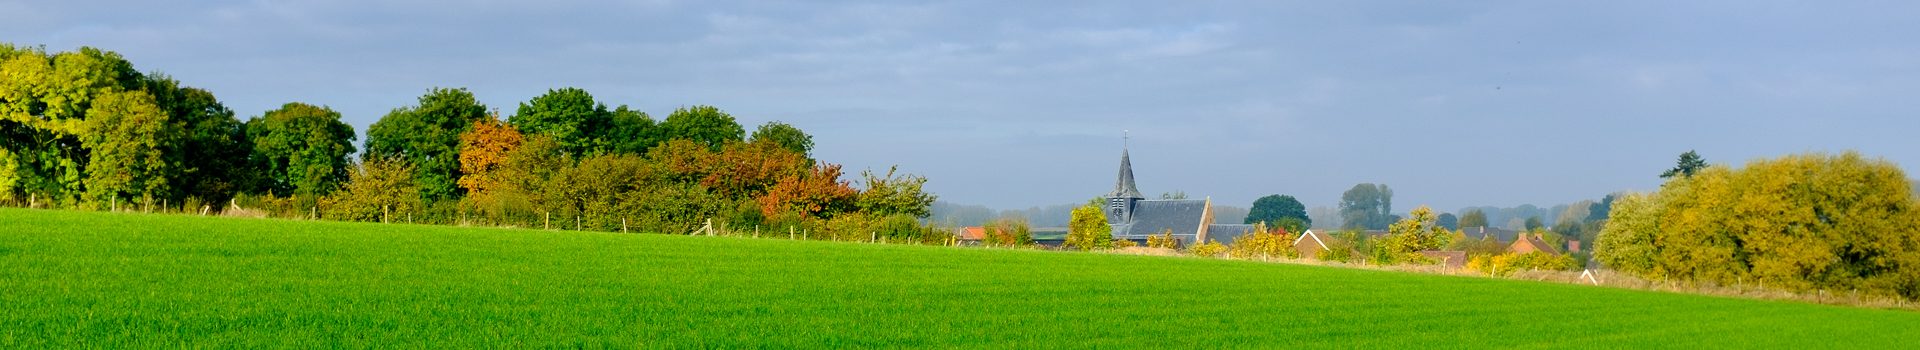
{"type": "Point", "coordinates": [118, 280]}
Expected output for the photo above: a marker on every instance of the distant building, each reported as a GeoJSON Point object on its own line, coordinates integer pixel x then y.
{"type": "Point", "coordinates": [970, 235]}
{"type": "Point", "coordinates": [1133, 217]}
{"type": "Point", "coordinates": [1532, 243]}
{"type": "Point", "coordinates": [1311, 244]}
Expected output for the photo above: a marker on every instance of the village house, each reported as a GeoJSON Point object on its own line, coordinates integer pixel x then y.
{"type": "Point", "coordinates": [1532, 243]}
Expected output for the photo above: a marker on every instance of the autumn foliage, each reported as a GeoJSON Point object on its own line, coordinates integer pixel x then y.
{"type": "Point", "coordinates": [482, 150]}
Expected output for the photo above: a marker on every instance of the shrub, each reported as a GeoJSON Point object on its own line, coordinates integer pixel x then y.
{"type": "Point", "coordinates": [1209, 249]}
{"type": "Point", "coordinates": [1262, 244]}
{"type": "Point", "coordinates": [1508, 263]}
{"type": "Point", "coordinates": [1163, 240]}
{"type": "Point", "coordinates": [1008, 232]}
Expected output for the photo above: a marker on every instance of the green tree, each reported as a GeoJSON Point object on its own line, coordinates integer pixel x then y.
{"type": "Point", "coordinates": [427, 137]}
{"type": "Point", "coordinates": [891, 195]}
{"type": "Point", "coordinates": [1533, 223]}
{"type": "Point", "coordinates": [1293, 225]}
{"type": "Point", "coordinates": [125, 134]}
{"type": "Point", "coordinates": [380, 190]}
{"type": "Point", "coordinates": [210, 151]}
{"type": "Point", "coordinates": [1367, 206]}
{"type": "Point", "coordinates": [44, 101]}
{"type": "Point", "coordinates": [300, 149]}
{"type": "Point", "coordinates": [1088, 229]}
{"type": "Point", "coordinates": [704, 125]}
{"type": "Point", "coordinates": [570, 117]}
{"type": "Point", "coordinates": [1271, 208]}
{"type": "Point", "coordinates": [1689, 164]}
{"type": "Point", "coordinates": [1599, 211]}
{"type": "Point", "coordinates": [1473, 218]}
{"type": "Point", "coordinates": [632, 132]}
{"type": "Point", "coordinates": [1406, 238]}
{"type": "Point", "coordinates": [1448, 221]}
{"type": "Point", "coordinates": [9, 174]}
{"type": "Point", "coordinates": [787, 136]}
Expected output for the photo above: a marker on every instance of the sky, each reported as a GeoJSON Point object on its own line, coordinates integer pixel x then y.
{"type": "Point", "coordinates": [1023, 103]}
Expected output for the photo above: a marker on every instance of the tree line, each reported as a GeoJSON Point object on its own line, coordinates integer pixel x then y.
{"type": "Point", "coordinates": [83, 129]}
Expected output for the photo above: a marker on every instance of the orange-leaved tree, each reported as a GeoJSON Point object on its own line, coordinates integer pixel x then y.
{"type": "Point", "coordinates": [482, 150]}
{"type": "Point", "coordinates": [817, 193]}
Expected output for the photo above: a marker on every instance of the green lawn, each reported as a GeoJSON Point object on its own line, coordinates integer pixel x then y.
{"type": "Point", "coordinates": [72, 279]}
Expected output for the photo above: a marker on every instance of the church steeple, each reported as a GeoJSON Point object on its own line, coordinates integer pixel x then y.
{"type": "Point", "coordinates": [1125, 187]}
{"type": "Point", "coordinates": [1120, 202]}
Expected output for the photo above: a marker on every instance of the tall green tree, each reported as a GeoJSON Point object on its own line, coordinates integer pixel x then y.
{"type": "Point", "coordinates": [1688, 164]}
{"type": "Point", "coordinates": [1367, 206]}
{"type": "Point", "coordinates": [1473, 218]}
{"type": "Point", "coordinates": [210, 151]}
{"type": "Point", "coordinates": [632, 132]}
{"type": "Point", "coordinates": [427, 137]}
{"type": "Point", "coordinates": [1271, 208]}
{"type": "Point", "coordinates": [125, 135]}
{"type": "Point", "coordinates": [570, 117]}
{"type": "Point", "coordinates": [785, 135]}
{"type": "Point", "coordinates": [44, 101]}
{"type": "Point", "coordinates": [1533, 223]}
{"type": "Point", "coordinates": [704, 125]}
{"type": "Point", "coordinates": [300, 149]}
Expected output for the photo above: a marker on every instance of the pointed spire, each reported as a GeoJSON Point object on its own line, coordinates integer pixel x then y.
{"type": "Point", "coordinates": [1125, 188]}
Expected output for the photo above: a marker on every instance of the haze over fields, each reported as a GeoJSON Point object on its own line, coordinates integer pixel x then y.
{"type": "Point", "coordinates": [1019, 104]}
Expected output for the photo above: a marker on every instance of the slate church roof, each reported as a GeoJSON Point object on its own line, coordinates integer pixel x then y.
{"type": "Point", "coordinates": [1188, 219]}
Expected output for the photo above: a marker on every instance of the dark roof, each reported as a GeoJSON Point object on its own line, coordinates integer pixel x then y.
{"type": "Point", "coordinates": [1227, 233]}
{"type": "Point", "coordinates": [1150, 217]}
{"type": "Point", "coordinates": [1124, 188]}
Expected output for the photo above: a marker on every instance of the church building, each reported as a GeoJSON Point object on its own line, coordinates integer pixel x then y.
{"type": "Point", "coordinates": [1134, 217]}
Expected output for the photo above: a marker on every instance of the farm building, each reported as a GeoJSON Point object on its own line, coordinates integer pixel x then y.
{"type": "Point", "coordinates": [1133, 217]}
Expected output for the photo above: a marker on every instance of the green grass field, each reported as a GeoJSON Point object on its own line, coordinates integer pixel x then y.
{"type": "Point", "coordinates": [128, 280]}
